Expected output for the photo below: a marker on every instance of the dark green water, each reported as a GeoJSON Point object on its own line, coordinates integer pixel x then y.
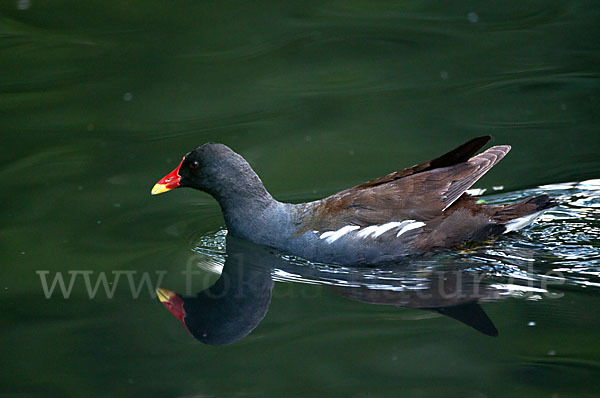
{"type": "Point", "coordinates": [99, 99]}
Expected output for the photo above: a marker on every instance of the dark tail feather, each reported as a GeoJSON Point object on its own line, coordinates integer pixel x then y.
{"type": "Point", "coordinates": [460, 154]}
{"type": "Point", "coordinates": [528, 206]}
{"type": "Point", "coordinates": [542, 202]}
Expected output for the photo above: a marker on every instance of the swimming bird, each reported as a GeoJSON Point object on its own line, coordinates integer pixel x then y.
{"type": "Point", "coordinates": [421, 209]}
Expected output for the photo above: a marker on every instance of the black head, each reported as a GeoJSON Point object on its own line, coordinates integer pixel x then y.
{"type": "Point", "coordinates": [209, 168]}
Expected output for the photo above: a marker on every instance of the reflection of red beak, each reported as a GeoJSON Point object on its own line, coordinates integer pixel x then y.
{"type": "Point", "coordinates": [168, 182]}
{"type": "Point", "coordinates": [172, 302]}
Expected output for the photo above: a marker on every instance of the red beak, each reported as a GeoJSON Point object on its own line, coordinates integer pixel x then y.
{"type": "Point", "coordinates": [169, 181]}
{"type": "Point", "coordinates": [172, 302]}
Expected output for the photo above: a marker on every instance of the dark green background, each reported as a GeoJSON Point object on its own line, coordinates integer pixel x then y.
{"type": "Point", "coordinates": [99, 99]}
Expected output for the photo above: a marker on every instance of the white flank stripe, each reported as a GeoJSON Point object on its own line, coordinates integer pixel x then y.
{"type": "Point", "coordinates": [332, 236]}
{"type": "Point", "coordinates": [377, 230]}
{"type": "Point", "coordinates": [412, 224]}
{"type": "Point", "coordinates": [521, 222]}
{"type": "Point", "coordinates": [386, 227]}
{"type": "Point", "coordinates": [367, 231]}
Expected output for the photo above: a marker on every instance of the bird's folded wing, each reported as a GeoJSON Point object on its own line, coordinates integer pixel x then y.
{"type": "Point", "coordinates": [421, 196]}
{"type": "Point", "coordinates": [421, 192]}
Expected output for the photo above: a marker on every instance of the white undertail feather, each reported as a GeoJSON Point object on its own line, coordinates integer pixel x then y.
{"type": "Point", "coordinates": [521, 222]}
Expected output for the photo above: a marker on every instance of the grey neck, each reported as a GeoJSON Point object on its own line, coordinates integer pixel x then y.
{"type": "Point", "coordinates": [250, 212]}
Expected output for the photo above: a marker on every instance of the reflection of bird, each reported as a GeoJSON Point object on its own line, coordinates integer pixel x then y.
{"type": "Point", "coordinates": [239, 300]}
{"type": "Point", "coordinates": [454, 294]}
{"type": "Point", "coordinates": [228, 310]}
{"type": "Point", "coordinates": [416, 210]}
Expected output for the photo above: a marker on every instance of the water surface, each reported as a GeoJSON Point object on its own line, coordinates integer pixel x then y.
{"type": "Point", "coordinates": [99, 99]}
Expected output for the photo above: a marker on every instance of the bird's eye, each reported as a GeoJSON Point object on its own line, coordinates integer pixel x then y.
{"type": "Point", "coordinates": [194, 164]}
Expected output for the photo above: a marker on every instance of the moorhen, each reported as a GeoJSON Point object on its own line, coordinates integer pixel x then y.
{"type": "Point", "coordinates": [418, 210]}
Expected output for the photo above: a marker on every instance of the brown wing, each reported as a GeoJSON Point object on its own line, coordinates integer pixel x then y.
{"type": "Point", "coordinates": [421, 192]}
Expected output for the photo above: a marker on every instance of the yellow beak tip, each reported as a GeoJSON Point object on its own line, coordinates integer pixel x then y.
{"type": "Point", "coordinates": [159, 188]}
{"type": "Point", "coordinates": [164, 295]}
